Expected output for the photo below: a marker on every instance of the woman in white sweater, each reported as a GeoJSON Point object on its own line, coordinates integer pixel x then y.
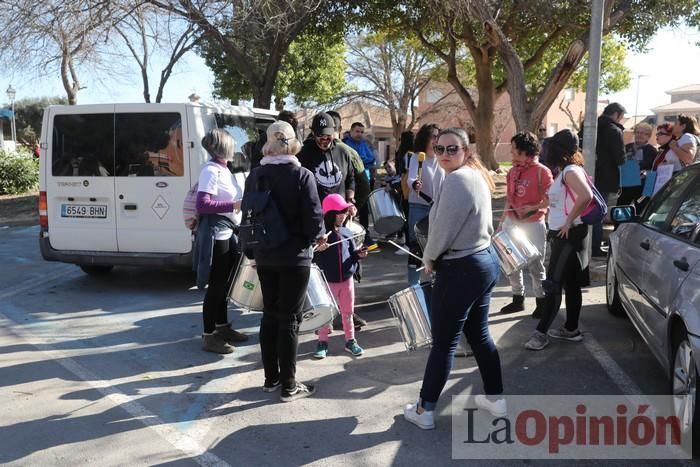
{"type": "Point", "coordinates": [459, 250]}
{"type": "Point", "coordinates": [422, 191]}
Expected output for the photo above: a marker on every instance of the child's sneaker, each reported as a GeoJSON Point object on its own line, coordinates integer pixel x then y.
{"type": "Point", "coordinates": [321, 350]}
{"type": "Point", "coordinates": [297, 392]}
{"type": "Point", "coordinates": [352, 347]}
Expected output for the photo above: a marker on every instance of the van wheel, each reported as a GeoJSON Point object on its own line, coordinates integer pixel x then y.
{"type": "Point", "coordinates": [93, 270]}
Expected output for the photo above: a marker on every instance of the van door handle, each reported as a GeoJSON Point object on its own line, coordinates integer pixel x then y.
{"type": "Point", "coordinates": [130, 207]}
{"type": "Point", "coordinates": [681, 264]}
{"type": "Point", "coordinates": [645, 244]}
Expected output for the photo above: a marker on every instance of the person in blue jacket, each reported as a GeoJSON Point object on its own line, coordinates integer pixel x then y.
{"type": "Point", "coordinates": [357, 141]}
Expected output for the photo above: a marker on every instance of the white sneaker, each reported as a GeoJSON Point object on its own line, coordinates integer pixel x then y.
{"type": "Point", "coordinates": [400, 252]}
{"type": "Point", "coordinates": [497, 407]}
{"type": "Point", "coordinates": [424, 421]}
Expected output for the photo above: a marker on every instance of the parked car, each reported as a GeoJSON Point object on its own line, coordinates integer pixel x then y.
{"type": "Point", "coordinates": [653, 275]}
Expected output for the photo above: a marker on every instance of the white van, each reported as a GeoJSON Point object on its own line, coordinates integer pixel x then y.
{"type": "Point", "coordinates": [113, 178]}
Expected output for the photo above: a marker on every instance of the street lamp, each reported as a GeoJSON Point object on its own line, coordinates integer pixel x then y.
{"type": "Point", "coordinates": [11, 93]}
{"type": "Point", "coordinates": [636, 101]}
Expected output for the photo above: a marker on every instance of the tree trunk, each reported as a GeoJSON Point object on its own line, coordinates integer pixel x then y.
{"type": "Point", "coordinates": [560, 76]}
{"type": "Point", "coordinates": [483, 115]}
{"type": "Point", "coordinates": [66, 70]}
{"type": "Point", "coordinates": [483, 126]}
{"type": "Point", "coordinates": [261, 98]}
{"type": "Point", "coordinates": [146, 92]}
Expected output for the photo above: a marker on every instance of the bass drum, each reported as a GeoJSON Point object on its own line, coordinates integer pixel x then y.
{"type": "Point", "coordinates": [320, 307]}
{"type": "Point", "coordinates": [515, 251]}
{"type": "Point", "coordinates": [385, 211]}
{"type": "Point", "coordinates": [411, 308]}
{"type": "Point", "coordinates": [245, 289]}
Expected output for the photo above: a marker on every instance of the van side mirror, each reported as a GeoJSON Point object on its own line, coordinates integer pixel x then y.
{"type": "Point", "coordinates": [622, 214]}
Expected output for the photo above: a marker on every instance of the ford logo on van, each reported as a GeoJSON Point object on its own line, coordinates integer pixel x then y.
{"type": "Point", "coordinates": [161, 184]}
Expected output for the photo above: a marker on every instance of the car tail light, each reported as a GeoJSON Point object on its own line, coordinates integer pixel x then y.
{"type": "Point", "coordinates": [43, 211]}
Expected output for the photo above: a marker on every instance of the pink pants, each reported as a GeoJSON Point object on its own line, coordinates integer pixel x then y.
{"type": "Point", "coordinates": [344, 293]}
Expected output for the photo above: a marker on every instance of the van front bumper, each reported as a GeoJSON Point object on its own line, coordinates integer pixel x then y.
{"type": "Point", "coordinates": [103, 258]}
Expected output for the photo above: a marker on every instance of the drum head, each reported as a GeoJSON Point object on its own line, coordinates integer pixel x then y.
{"type": "Point", "coordinates": [315, 318]}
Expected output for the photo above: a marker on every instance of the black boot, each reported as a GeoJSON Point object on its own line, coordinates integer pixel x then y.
{"type": "Point", "coordinates": [518, 304]}
{"type": "Point", "coordinates": [359, 322]}
{"type": "Point", "coordinates": [539, 309]}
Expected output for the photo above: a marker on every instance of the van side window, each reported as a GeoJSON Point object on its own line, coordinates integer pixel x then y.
{"type": "Point", "coordinates": [246, 135]}
{"type": "Point", "coordinates": [149, 145]}
{"type": "Point", "coordinates": [82, 145]}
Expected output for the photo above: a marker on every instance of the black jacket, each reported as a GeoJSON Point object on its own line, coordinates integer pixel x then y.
{"type": "Point", "coordinates": [294, 191]}
{"type": "Point", "coordinates": [332, 169]}
{"type": "Point", "coordinates": [610, 154]}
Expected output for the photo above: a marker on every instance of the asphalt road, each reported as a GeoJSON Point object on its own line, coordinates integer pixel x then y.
{"type": "Point", "coordinates": [108, 371]}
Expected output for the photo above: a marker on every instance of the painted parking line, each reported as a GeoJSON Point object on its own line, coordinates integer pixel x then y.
{"type": "Point", "coordinates": [180, 441]}
{"type": "Point", "coordinates": [60, 275]}
{"type": "Point", "coordinates": [170, 434]}
{"type": "Point", "coordinates": [614, 371]}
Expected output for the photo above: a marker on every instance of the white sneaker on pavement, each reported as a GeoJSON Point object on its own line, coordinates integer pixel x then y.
{"type": "Point", "coordinates": [424, 421]}
{"type": "Point", "coordinates": [495, 405]}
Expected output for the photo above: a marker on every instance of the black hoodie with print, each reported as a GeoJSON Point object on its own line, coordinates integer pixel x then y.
{"type": "Point", "coordinates": [332, 169]}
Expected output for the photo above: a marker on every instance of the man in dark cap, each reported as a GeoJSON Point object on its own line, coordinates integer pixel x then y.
{"type": "Point", "coordinates": [610, 154]}
{"type": "Point", "coordinates": [330, 163]}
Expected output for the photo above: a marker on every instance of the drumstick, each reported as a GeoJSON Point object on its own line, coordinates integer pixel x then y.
{"type": "Point", "coordinates": [348, 238]}
{"type": "Point", "coordinates": [404, 249]}
{"type": "Point", "coordinates": [344, 239]}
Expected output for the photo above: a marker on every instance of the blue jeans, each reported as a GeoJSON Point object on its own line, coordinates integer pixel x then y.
{"type": "Point", "coordinates": [460, 303]}
{"type": "Point", "coordinates": [416, 212]}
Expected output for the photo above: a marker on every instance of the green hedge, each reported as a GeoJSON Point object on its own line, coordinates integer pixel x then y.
{"type": "Point", "coordinates": [19, 172]}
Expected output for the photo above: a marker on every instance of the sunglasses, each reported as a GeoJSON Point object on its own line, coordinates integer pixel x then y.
{"type": "Point", "coordinates": [452, 149]}
{"type": "Point", "coordinates": [662, 133]}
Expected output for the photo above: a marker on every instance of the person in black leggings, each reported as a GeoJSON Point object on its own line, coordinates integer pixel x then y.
{"type": "Point", "coordinates": [569, 195]}
{"type": "Point", "coordinates": [218, 205]}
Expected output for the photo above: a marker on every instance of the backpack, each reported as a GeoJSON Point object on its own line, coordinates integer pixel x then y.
{"type": "Point", "coordinates": [189, 208]}
{"type": "Point", "coordinates": [596, 210]}
{"type": "Point", "coordinates": [262, 226]}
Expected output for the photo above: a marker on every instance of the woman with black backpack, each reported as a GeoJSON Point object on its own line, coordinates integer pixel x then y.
{"type": "Point", "coordinates": [284, 269]}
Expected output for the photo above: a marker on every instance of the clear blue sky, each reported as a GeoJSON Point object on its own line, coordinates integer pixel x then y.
{"type": "Point", "coordinates": [669, 52]}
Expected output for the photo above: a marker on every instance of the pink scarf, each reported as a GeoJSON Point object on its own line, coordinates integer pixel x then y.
{"type": "Point", "coordinates": [519, 168]}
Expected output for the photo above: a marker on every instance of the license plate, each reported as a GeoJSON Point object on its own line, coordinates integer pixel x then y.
{"type": "Point", "coordinates": [90, 211]}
